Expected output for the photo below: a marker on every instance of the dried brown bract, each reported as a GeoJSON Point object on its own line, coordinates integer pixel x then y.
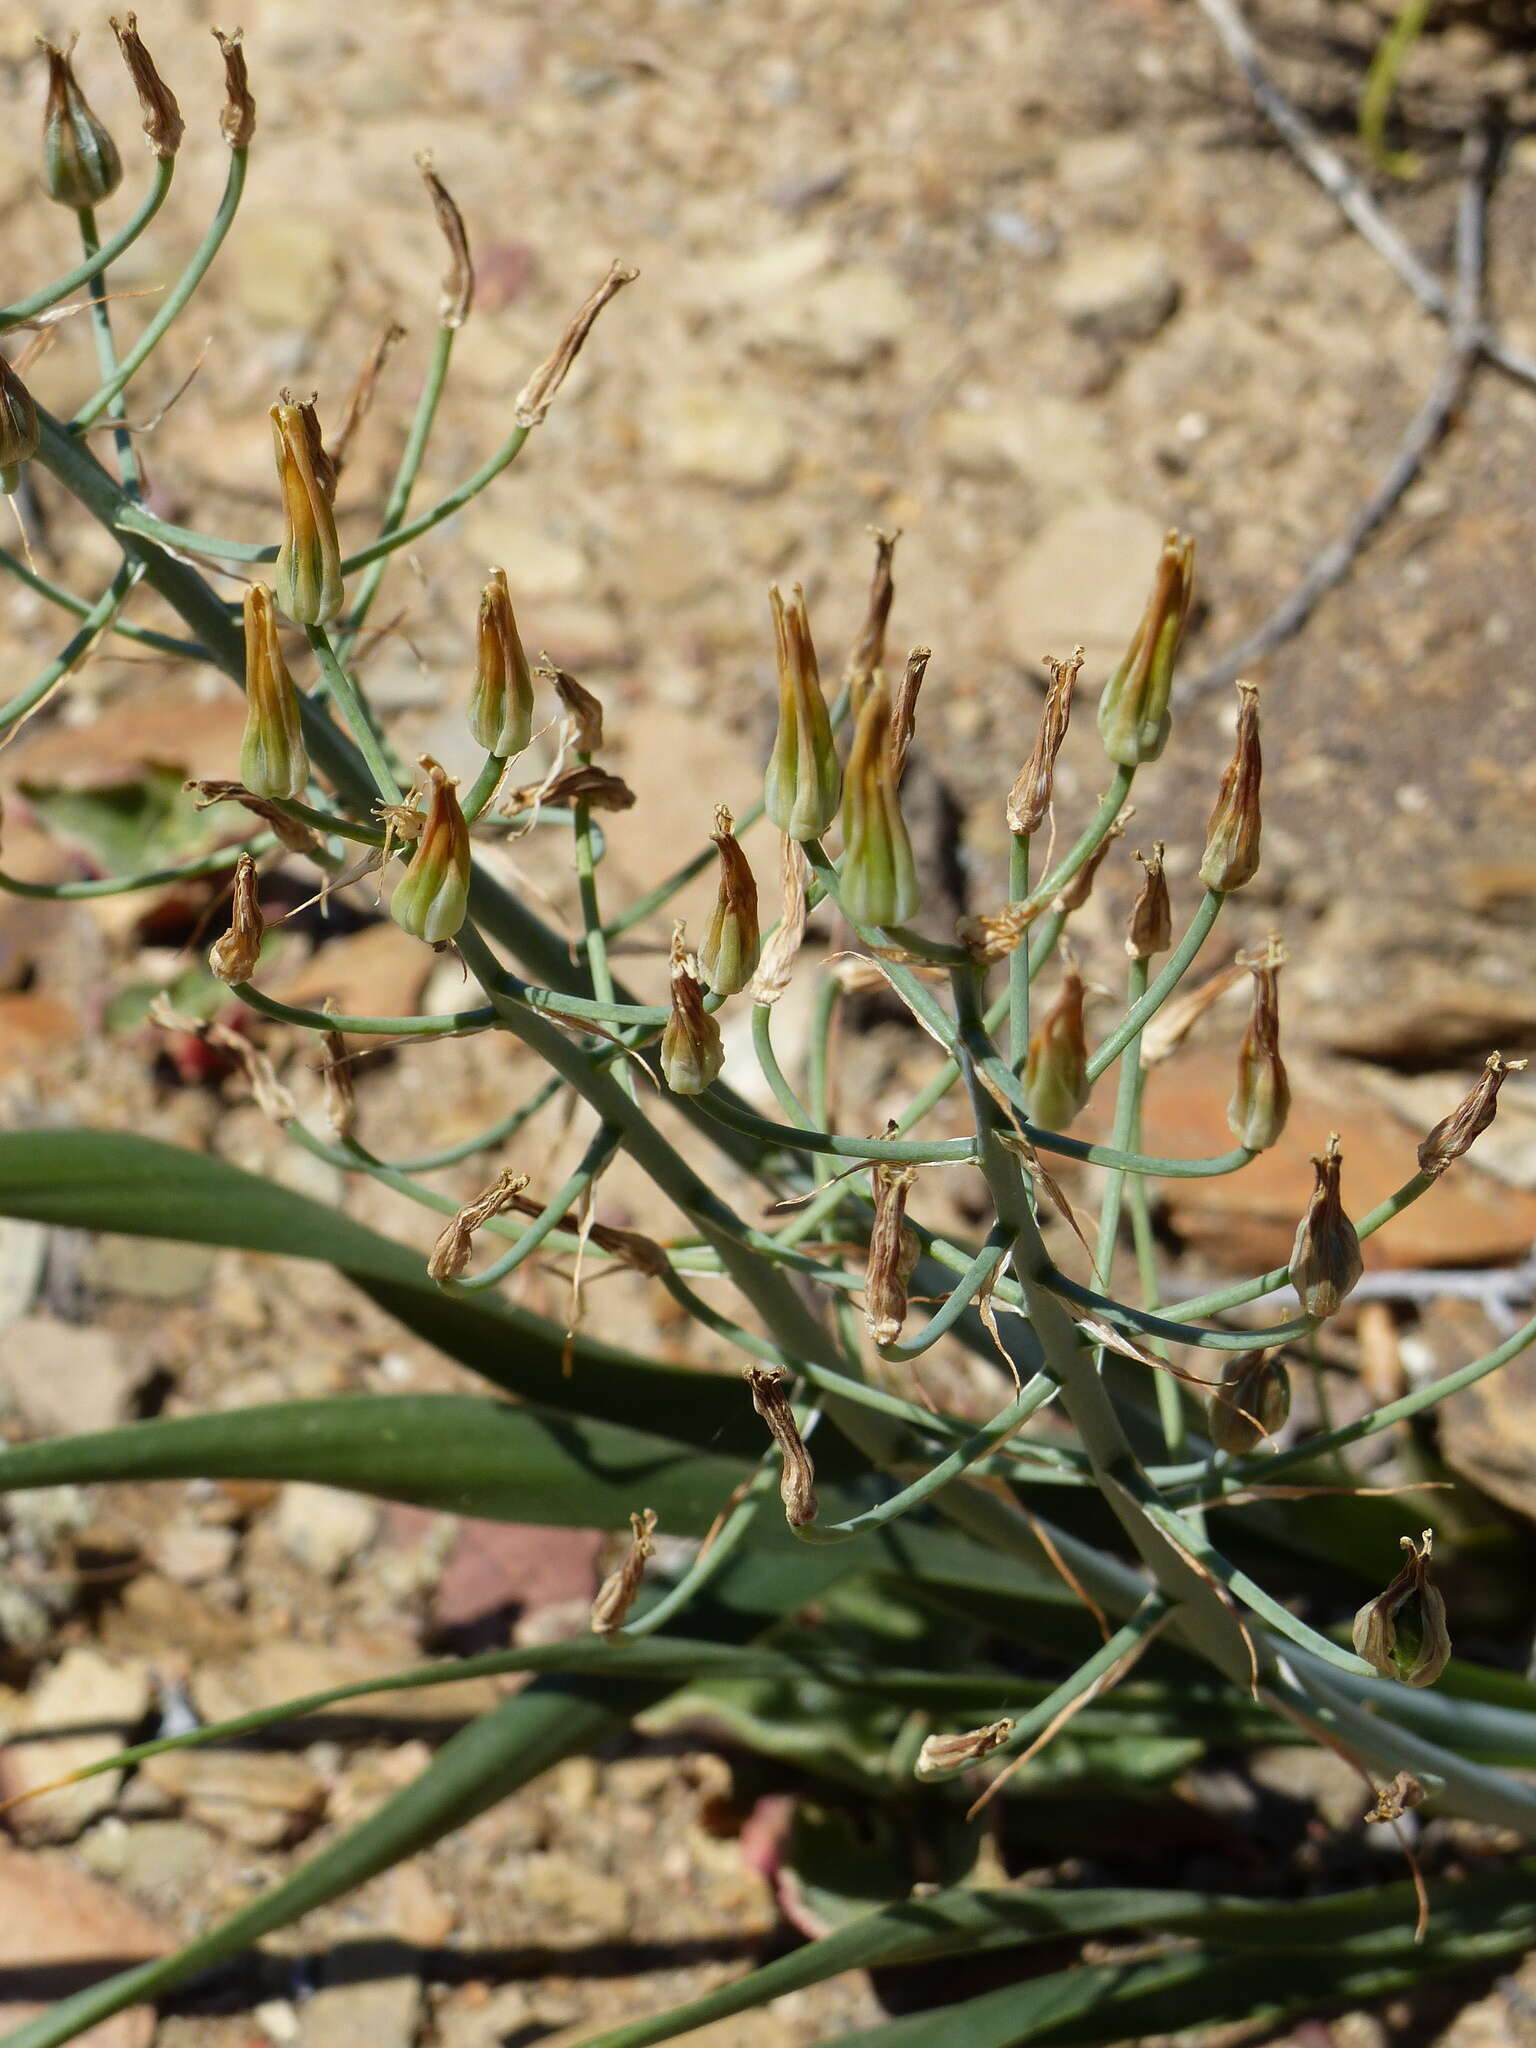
{"type": "Point", "coordinates": [336, 1080]}
{"type": "Point", "coordinates": [537, 395]}
{"type": "Point", "coordinates": [459, 278]}
{"type": "Point", "coordinates": [233, 957]}
{"type": "Point", "coordinates": [941, 1754]}
{"type": "Point", "coordinates": [993, 935]}
{"type": "Point", "coordinates": [616, 1595]}
{"type": "Point", "coordinates": [582, 709]}
{"type": "Point", "coordinates": [1029, 801]}
{"type": "Point", "coordinates": [1454, 1134]}
{"type": "Point", "coordinates": [1397, 1798]}
{"type": "Point", "coordinates": [904, 709]}
{"type": "Point", "coordinates": [893, 1252]}
{"type": "Point", "coordinates": [777, 964]}
{"type": "Point", "coordinates": [797, 1481]}
{"type": "Point", "coordinates": [360, 398]}
{"type": "Point", "coordinates": [451, 1253]}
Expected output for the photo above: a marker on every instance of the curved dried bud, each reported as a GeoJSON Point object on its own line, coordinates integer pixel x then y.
{"type": "Point", "coordinates": [1134, 719]}
{"type": "Point", "coordinates": [904, 712]}
{"type": "Point", "coordinates": [616, 1595]}
{"type": "Point", "coordinates": [500, 711]}
{"type": "Point", "coordinates": [1453, 1135]}
{"type": "Point", "coordinates": [233, 958]}
{"type": "Point", "coordinates": [81, 166]}
{"type": "Point", "coordinates": [451, 1253]}
{"type": "Point", "coordinates": [1253, 1401]}
{"type": "Point", "coordinates": [1232, 837]}
{"type": "Point", "coordinates": [1150, 927]}
{"type": "Point", "coordinates": [1080, 888]}
{"type": "Point", "coordinates": [797, 1481]}
{"type": "Point", "coordinates": [783, 947]}
{"type": "Point", "coordinates": [163, 124]}
{"type": "Point", "coordinates": [1402, 1632]}
{"type": "Point", "coordinates": [338, 1093]}
{"type": "Point", "coordinates": [1056, 1083]}
{"type": "Point", "coordinates": [728, 957]}
{"type": "Point", "coordinates": [1261, 1101]}
{"type": "Point", "coordinates": [308, 574]}
{"type": "Point", "coordinates": [1325, 1259]}
{"type": "Point", "coordinates": [691, 1051]}
{"type": "Point", "coordinates": [237, 121]}
{"type": "Point", "coordinates": [537, 395]}
{"type": "Point", "coordinates": [878, 882]}
{"type": "Point", "coordinates": [273, 759]}
{"type": "Point", "coordinates": [868, 650]}
{"type": "Point", "coordinates": [459, 278]}
{"type": "Point", "coordinates": [893, 1252]}
{"type": "Point", "coordinates": [802, 783]}
{"type": "Point", "coordinates": [583, 711]}
{"type": "Point", "coordinates": [941, 1754]}
{"type": "Point", "coordinates": [1030, 798]}
{"type": "Point", "coordinates": [18, 427]}
{"type": "Point", "coordinates": [432, 895]}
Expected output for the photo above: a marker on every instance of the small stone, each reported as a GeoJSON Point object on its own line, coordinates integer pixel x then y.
{"type": "Point", "coordinates": [65, 1378]}
{"type": "Point", "coordinates": [405, 1903]}
{"type": "Point", "coordinates": [475, 2016]}
{"type": "Point", "coordinates": [540, 561]}
{"type": "Point", "coordinates": [23, 1252]}
{"type": "Point", "coordinates": [84, 1690]}
{"type": "Point", "coordinates": [1083, 579]}
{"type": "Point", "coordinates": [192, 1553]}
{"type": "Point", "coordinates": [252, 1796]}
{"type": "Point", "coordinates": [162, 1863]}
{"type": "Point", "coordinates": [1119, 290]}
{"type": "Point", "coordinates": [58, 1925]}
{"type": "Point", "coordinates": [286, 271]}
{"type": "Point", "coordinates": [565, 1890]}
{"type": "Point", "coordinates": [842, 321]}
{"type": "Point", "coordinates": [379, 2007]}
{"type": "Point", "coordinates": [715, 434]}
{"type": "Point", "coordinates": [323, 1528]}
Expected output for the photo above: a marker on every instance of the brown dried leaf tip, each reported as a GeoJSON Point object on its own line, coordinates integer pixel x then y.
{"type": "Point", "coordinates": [459, 278]}
{"type": "Point", "coordinates": [941, 1754]}
{"type": "Point", "coordinates": [1402, 1633]}
{"type": "Point", "coordinates": [616, 1595]}
{"type": "Point", "coordinates": [1325, 1259]}
{"type": "Point", "coordinates": [797, 1480]}
{"type": "Point", "coordinates": [1029, 801]}
{"type": "Point", "coordinates": [233, 958]}
{"type": "Point", "coordinates": [237, 123]}
{"type": "Point", "coordinates": [893, 1252]}
{"type": "Point", "coordinates": [450, 1255]}
{"type": "Point", "coordinates": [1454, 1134]}
{"type": "Point", "coordinates": [1150, 927]}
{"type": "Point", "coordinates": [162, 117]}
{"type": "Point", "coordinates": [538, 394]}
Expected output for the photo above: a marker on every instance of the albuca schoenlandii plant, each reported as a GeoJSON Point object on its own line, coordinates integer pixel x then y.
{"type": "Point", "coordinates": [942, 1597]}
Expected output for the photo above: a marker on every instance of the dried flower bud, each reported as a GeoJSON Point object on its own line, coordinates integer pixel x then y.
{"type": "Point", "coordinates": [1150, 928]}
{"type": "Point", "coordinates": [803, 783]}
{"type": "Point", "coordinates": [1261, 1102]}
{"type": "Point", "coordinates": [1253, 1400]}
{"type": "Point", "coordinates": [451, 1253]}
{"type": "Point", "coordinates": [616, 1595]}
{"type": "Point", "coordinates": [1080, 888]}
{"type": "Point", "coordinates": [1325, 1260]}
{"type": "Point", "coordinates": [583, 711]}
{"type": "Point", "coordinates": [432, 895]}
{"type": "Point", "coordinates": [340, 1097]}
{"type": "Point", "coordinates": [233, 958]}
{"type": "Point", "coordinates": [207, 790]}
{"type": "Point", "coordinates": [783, 947]}
{"type": "Point", "coordinates": [81, 166]}
{"type": "Point", "coordinates": [308, 575]}
{"type": "Point", "coordinates": [941, 1754]}
{"type": "Point", "coordinates": [1453, 1135]}
{"type": "Point", "coordinates": [1056, 1083]}
{"type": "Point", "coordinates": [594, 787]}
{"type": "Point", "coordinates": [868, 651]}
{"type": "Point", "coordinates": [691, 1052]}
{"type": "Point", "coordinates": [1397, 1798]}
{"type": "Point", "coordinates": [18, 427]}
{"type": "Point", "coordinates": [1232, 837]}
{"type": "Point", "coordinates": [728, 956]}
{"type": "Point", "coordinates": [1134, 719]}
{"type": "Point", "coordinates": [163, 124]}
{"type": "Point", "coordinates": [237, 121]}
{"type": "Point", "coordinates": [797, 1481]}
{"type": "Point", "coordinates": [459, 278]}
{"type": "Point", "coordinates": [904, 711]}
{"type": "Point", "coordinates": [991, 935]}
{"type": "Point", "coordinates": [893, 1252]}
{"type": "Point", "coordinates": [501, 700]}
{"type": "Point", "coordinates": [1030, 798]}
{"type": "Point", "coordinates": [537, 395]}
{"type": "Point", "coordinates": [1402, 1632]}
{"type": "Point", "coordinates": [273, 759]}
{"type": "Point", "coordinates": [878, 882]}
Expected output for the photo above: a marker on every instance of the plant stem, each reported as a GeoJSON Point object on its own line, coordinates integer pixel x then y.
{"type": "Point", "coordinates": [97, 260]}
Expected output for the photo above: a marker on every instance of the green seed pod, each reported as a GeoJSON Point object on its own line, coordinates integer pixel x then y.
{"type": "Point", "coordinates": [1134, 720]}
{"type": "Point", "coordinates": [1325, 1260]}
{"type": "Point", "coordinates": [432, 895]}
{"type": "Point", "coordinates": [1261, 1102]}
{"type": "Point", "coordinates": [728, 957]}
{"type": "Point", "coordinates": [308, 575]}
{"type": "Point", "coordinates": [18, 427]}
{"type": "Point", "coordinates": [1232, 837]}
{"type": "Point", "coordinates": [691, 1052]}
{"type": "Point", "coordinates": [500, 711]}
{"type": "Point", "coordinates": [273, 758]}
{"type": "Point", "coordinates": [1402, 1632]}
{"type": "Point", "coordinates": [878, 884]}
{"type": "Point", "coordinates": [1056, 1083]}
{"type": "Point", "coordinates": [802, 783]}
{"type": "Point", "coordinates": [81, 166]}
{"type": "Point", "coordinates": [1252, 1402]}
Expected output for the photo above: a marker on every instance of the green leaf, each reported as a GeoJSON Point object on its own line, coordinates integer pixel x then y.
{"type": "Point", "coordinates": [145, 822]}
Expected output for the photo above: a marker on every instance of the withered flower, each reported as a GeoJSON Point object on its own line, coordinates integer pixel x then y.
{"type": "Point", "coordinates": [18, 427]}
{"type": "Point", "coordinates": [784, 943]}
{"type": "Point", "coordinates": [893, 1252]}
{"type": "Point", "coordinates": [941, 1754]}
{"type": "Point", "coordinates": [233, 957]}
{"type": "Point", "coordinates": [1056, 1084]}
{"type": "Point", "coordinates": [802, 783]}
{"type": "Point", "coordinates": [501, 699]}
{"type": "Point", "coordinates": [1080, 888]}
{"type": "Point", "coordinates": [206, 790]}
{"type": "Point", "coordinates": [691, 1052]}
{"type": "Point", "coordinates": [459, 279]}
{"type": "Point", "coordinates": [237, 121]}
{"type": "Point", "coordinates": [274, 761]}
{"type": "Point", "coordinates": [538, 394]}
{"type": "Point", "coordinates": [728, 957]}
{"type": "Point", "coordinates": [340, 1097]}
{"type": "Point", "coordinates": [451, 1254]}
{"type": "Point", "coordinates": [163, 124]}
{"type": "Point", "coordinates": [432, 896]}
{"type": "Point", "coordinates": [308, 574]}
{"type": "Point", "coordinates": [1232, 837]}
{"type": "Point", "coordinates": [1029, 801]}
{"type": "Point", "coordinates": [1454, 1134]}
{"type": "Point", "coordinates": [1261, 1102]}
{"type": "Point", "coordinates": [868, 651]}
{"type": "Point", "coordinates": [616, 1595]}
{"type": "Point", "coordinates": [1134, 719]}
{"type": "Point", "coordinates": [81, 166]}
{"type": "Point", "coordinates": [797, 1480]}
{"type": "Point", "coordinates": [991, 935]}
{"type": "Point", "coordinates": [583, 711]}
{"type": "Point", "coordinates": [1150, 928]}
{"type": "Point", "coordinates": [904, 710]}
{"type": "Point", "coordinates": [1325, 1260]}
{"type": "Point", "coordinates": [1253, 1401]}
{"type": "Point", "coordinates": [1402, 1633]}
{"type": "Point", "coordinates": [878, 883]}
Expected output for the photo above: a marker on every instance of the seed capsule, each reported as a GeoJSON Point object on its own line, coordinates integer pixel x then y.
{"type": "Point", "coordinates": [1261, 1102]}
{"type": "Point", "coordinates": [273, 759]}
{"type": "Point", "coordinates": [691, 1051]}
{"type": "Point", "coordinates": [616, 1595]}
{"type": "Point", "coordinates": [432, 896]}
{"type": "Point", "coordinates": [729, 954]}
{"type": "Point", "coordinates": [1150, 928]}
{"type": "Point", "coordinates": [1134, 719]}
{"type": "Point", "coordinates": [893, 1252]}
{"type": "Point", "coordinates": [1232, 837]}
{"type": "Point", "coordinates": [308, 575]}
{"type": "Point", "coordinates": [163, 125]}
{"type": "Point", "coordinates": [18, 427]}
{"type": "Point", "coordinates": [1402, 1632]}
{"type": "Point", "coordinates": [81, 166]}
{"type": "Point", "coordinates": [451, 1253]}
{"type": "Point", "coordinates": [237, 121]}
{"type": "Point", "coordinates": [878, 883]}
{"type": "Point", "coordinates": [1325, 1260]}
{"type": "Point", "coordinates": [233, 958]}
{"type": "Point", "coordinates": [1056, 1084]}
{"type": "Point", "coordinates": [797, 1480]}
{"type": "Point", "coordinates": [1029, 800]}
{"type": "Point", "coordinates": [1454, 1134]}
{"type": "Point", "coordinates": [803, 783]}
{"type": "Point", "coordinates": [1252, 1402]}
{"type": "Point", "coordinates": [501, 699]}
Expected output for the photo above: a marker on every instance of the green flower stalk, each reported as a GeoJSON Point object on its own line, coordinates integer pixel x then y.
{"type": "Point", "coordinates": [728, 957]}
{"type": "Point", "coordinates": [273, 759]}
{"type": "Point", "coordinates": [1232, 837]}
{"type": "Point", "coordinates": [18, 427]}
{"type": "Point", "coordinates": [500, 711]}
{"type": "Point", "coordinates": [1134, 719]}
{"type": "Point", "coordinates": [878, 881]}
{"type": "Point", "coordinates": [81, 166]}
{"type": "Point", "coordinates": [1252, 1402]}
{"type": "Point", "coordinates": [1325, 1260]}
{"type": "Point", "coordinates": [308, 573]}
{"type": "Point", "coordinates": [802, 784]}
{"type": "Point", "coordinates": [1261, 1101]}
{"type": "Point", "coordinates": [432, 896]}
{"type": "Point", "coordinates": [1056, 1084]}
{"type": "Point", "coordinates": [1402, 1632]}
{"type": "Point", "coordinates": [691, 1050]}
